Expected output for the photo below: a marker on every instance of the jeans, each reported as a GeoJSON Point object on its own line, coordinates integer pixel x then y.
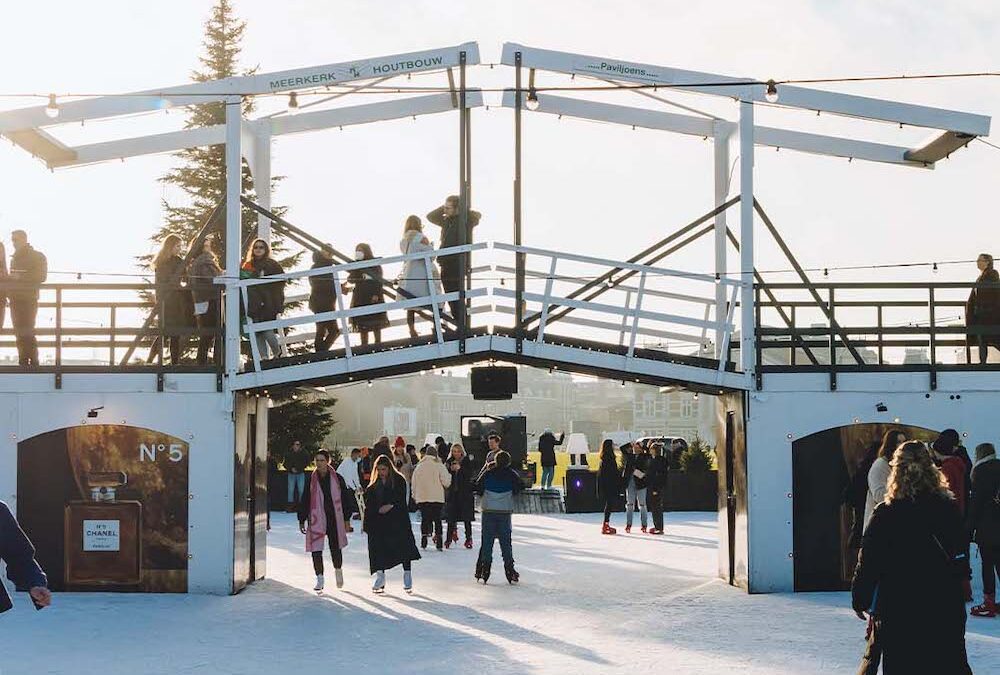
{"type": "Point", "coordinates": [295, 480]}
{"type": "Point", "coordinates": [632, 495]}
{"type": "Point", "coordinates": [991, 568]}
{"type": "Point", "coordinates": [335, 554]}
{"type": "Point", "coordinates": [23, 312]}
{"type": "Point", "coordinates": [656, 508]}
{"type": "Point", "coordinates": [265, 340]}
{"type": "Point", "coordinates": [496, 526]}
{"type": "Point", "coordinates": [430, 520]}
{"type": "Point", "coordinates": [548, 473]}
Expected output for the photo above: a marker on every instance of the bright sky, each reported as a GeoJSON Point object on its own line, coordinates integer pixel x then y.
{"type": "Point", "coordinates": [589, 188]}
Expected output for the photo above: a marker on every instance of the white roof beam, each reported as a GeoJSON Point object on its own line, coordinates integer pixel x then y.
{"type": "Point", "coordinates": [790, 96]}
{"type": "Point", "coordinates": [818, 144]}
{"type": "Point", "coordinates": [262, 83]}
{"type": "Point", "coordinates": [939, 147]}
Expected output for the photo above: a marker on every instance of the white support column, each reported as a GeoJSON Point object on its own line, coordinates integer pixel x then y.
{"type": "Point", "coordinates": [234, 160]}
{"type": "Point", "coordinates": [721, 158]}
{"type": "Point", "coordinates": [748, 352]}
{"type": "Point", "coordinates": [262, 178]}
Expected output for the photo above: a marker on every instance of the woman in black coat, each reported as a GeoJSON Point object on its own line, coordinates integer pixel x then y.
{"type": "Point", "coordinates": [202, 272]}
{"type": "Point", "coordinates": [173, 302]}
{"type": "Point", "coordinates": [265, 301]}
{"type": "Point", "coordinates": [368, 285]}
{"type": "Point", "coordinates": [984, 518]}
{"type": "Point", "coordinates": [982, 309]}
{"type": "Point", "coordinates": [387, 522]}
{"type": "Point", "coordinates": [609, 482]}
{"type": "Point", "coordinates": [909, 573]}
{"type": "Point", "coordinates": [460, 500]}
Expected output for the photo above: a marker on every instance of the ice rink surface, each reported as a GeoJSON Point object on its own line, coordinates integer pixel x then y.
{"type": "Point", "coordinates": [587, 603]}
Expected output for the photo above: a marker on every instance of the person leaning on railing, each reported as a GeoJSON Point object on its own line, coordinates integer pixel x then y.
{"type": "Point", "coordinates": [366, 287]}
{"type": "Point", "coordinates": [28, 269]}
{"type": "Point", "coordinates": [982, 309]}
{"type": "Point", "coordinates": [202, 272]}
{"type": "Point", "coordinates": [265, 301]}
{"type": "Point", "coordinates": [173, 302]}
{"type": "Point", "coordinates": [322, 298]}
{"type": "Point", "coordinates": [448, 218]}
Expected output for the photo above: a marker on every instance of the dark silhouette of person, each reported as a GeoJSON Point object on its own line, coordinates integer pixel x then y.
{"type": "Point", "coordinates": [28, 269]}
{"type": "Point", "coordinates": [453, 267]}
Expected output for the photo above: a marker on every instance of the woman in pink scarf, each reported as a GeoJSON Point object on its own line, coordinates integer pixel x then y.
{"type": "Point", "coordinates": [321, 516]}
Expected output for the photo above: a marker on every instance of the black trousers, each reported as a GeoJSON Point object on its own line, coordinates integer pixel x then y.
{"type": "Point", "coordinates": [452, 282]}
{"type": "Point", "coordinates": [23, 312]}
{"type": "Point", "coordinates": [656, 508]}
{"type": "Point", "coordinates": [327, 333]}
{"type": "Point", "coordinates": [991, 568]}
{"type": "Point", "coordinates": [453, 528]}
{"type": "Point", "coordinates": [430, 520]}
{"type": "Point", "coordinates": [609, 503]}
{"type": "Point", "coordinates": [335, 554]}
{"type": "Point", "coordinates": [207, 321]}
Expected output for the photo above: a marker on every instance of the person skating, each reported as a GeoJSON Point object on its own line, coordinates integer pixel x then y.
{"type": "Point", "coordinates": [387, 523]}
{"type": "Point", "coordinates": [984, 518]}
{"type": "Point", "coordinates": [497, 484]}
{"type": "Point", "coordinates": [609, 480]}
{"type": "Point", "coordinates": [656, 483]}
{"type": "Point", "coordinates": [906, 583]}
{"type": "Point", "coordinates": [492, 446]}
{"type": "Point", "coordinates": [22, 568]}
{"type": "Point", "coordinates": [944, 450]}
{"type": "Point", "coordinates": [323, 298]}
{"type": "Point", "coordinates": [634, 478]}
{"type": "Point", "coordinates": [401, 459]}
{"type": "Point", "coordinates": [367, 287]}
{"type": "Point", "coordinates": [453, 267]}
{"type": "Point", "coordinates": [321, 516]}
{"type": "Point", "coordinates": [878, 474]}
{"type": "Point", "coordinates": [443, 449]}
{"type": "Point", "coordinates": [348, 470]}
{"type": "Point", "coordinates": [429, 481]}
{"type": "Point", "coordinates": [547, 443]}
{"type": "Point", "coordinates": [460, 501]}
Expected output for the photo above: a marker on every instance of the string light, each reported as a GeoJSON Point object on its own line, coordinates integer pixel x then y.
{"type": "Point", "coordinates": [771, 94]}
{"type": "Point", "coordinates": [293, 101]}
{"type": "Point", "coordinates": [52, 109]}
{"type": "Point", "coordinates": [532, 101]}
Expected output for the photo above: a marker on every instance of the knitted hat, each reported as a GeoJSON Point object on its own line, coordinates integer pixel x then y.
{"type": "Point", "coordinates": [946, 442]}
{"type": "Point", "coordinates": [400, 443]}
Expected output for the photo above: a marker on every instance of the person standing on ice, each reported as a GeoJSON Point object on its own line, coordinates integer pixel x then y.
{"type": "Point", "coordinates": [609, 480]}
{"type": "Point", "coordinates": [656, 483]}
{"type": "Point", "coordinates": [908, 581]}
{"type": "Point", "coordinates": [387, 522]}
{"type": "Point", "coordinates": [878, 474]}
{"type": "Point", "coordinates": [492, 447]}
{"type": "Point", "coordinates": [429, 481]}
{"type": "Point", "coordinates": [497, 484]}
{"type": "Point", "coordinates": [321, 516]}
{"type": "Point", "coordinates": [348, 470]}
{"type": "Point", "coordinates": [944, 450]}
{"type": "Point", "coordinates": [984, 520]}
{"type": "Point", "coordinates": [460, 502]}
{"type": "Point", "coordinates": [547, 456]}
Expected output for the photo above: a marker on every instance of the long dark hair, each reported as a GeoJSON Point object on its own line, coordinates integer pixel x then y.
{"type": "Point", "coordinates": [249, 256]}
{"type": "Point", "coordinates": [608, 452]}
{"type": "Point", "coordinates": [166, 250]}
{"type": "Point", "coordinates": [366, 250]}
{"type": "Point", "coordinates": [889, 443]}
{"type": "Point", "coordinates": [384, 459]}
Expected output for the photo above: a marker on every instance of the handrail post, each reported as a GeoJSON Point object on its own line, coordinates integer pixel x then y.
{"type": "Point", "coordinates": [58, 328]}
{"type": "Point", "coordinates": [519, 257]}
{"type": "Point", "coordinates": [758, 348]}
{"type": "Point", "coordinates": [111, 355]}
{"type": "Point", "coordinates": [432, 294]}
{"type": "Point", "coordinates": [628, 304]}
{"type": "Point", "coordinates": [933, 337]}
{"type": "Point", "coordinates": [881, 335]}
{"type": "Point", "coordinates": [251, 332]}
{"type": "Point", "coordinates": [635, 314]}
{"type": "Point", "coordinates": [345, 330]}
{"type": "Point", "coordinates": [833, 343]}
{"type": "Point", "coordinates": [545, 303]}
{"type": "Point", "coordinates": [792, 336]}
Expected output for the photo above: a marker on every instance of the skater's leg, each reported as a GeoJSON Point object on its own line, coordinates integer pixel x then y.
{"type": "Point", "coordinates": [425, 519]}
{"type": "Point", "coordinates": [452, 525]}
{"type": "Point", "coordinates": [607, 509]}
{"type": "Point", "coordinates": [656, 507]}
{"type": "Point", "coordinates": [640, 496]}
{"type": "Point", "coordinates": [317, 557]}
{"type": "Point", "coordinates": [489, 535]}
{"type": "Point", "coordinates": [629, 502]}
{"type": "Point", "coordinates": [504, 532]}
{"type": "Point", "coordinates": [407, 565]}
{"type": "Point", "coordinates": [991, 566]}
{"type": "Point", "coordinates": [468, 529]}
{"type": "Point", "coordinates": [336, 555]}
{"type": "Point", "coordinates": [435, 523]}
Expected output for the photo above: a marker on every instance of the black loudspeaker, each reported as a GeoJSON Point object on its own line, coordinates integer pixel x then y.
{"type": "Point", "coordinates": [581, 491]}
{"type": "Point", "coordinates": [494, 383]}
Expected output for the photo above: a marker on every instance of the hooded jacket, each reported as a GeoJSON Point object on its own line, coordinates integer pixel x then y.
{"type": "Point", "coordinates": [430, 479]}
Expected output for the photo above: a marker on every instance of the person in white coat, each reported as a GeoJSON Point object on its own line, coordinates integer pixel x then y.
{"type": "Point", "coordinates": [348, 470]}
{"type": "Point", "coordinates": [878, 475]}
{"type": "Point", "coordinates": [418, 275]}
{"type": "Point", "coordinates": [430, 480]}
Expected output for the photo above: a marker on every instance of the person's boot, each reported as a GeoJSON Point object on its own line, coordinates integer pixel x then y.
{"type": "Point", "coordinates": [454, 535]}
{"type": "Point", "coordinates": [437, 543]}
{"type": "Point", "coordinates": [628, 529]}
{"type": "Point", "coordinates": [408, 581]}
{"type": "Point", "coordinates": [607, 529]}
{"type": "Point", "coordinates": [512, 576]}
{"type": "Point", "coordinates": [644, 529]}
{"type": "Point", "coordinates": [379, 585]}
{"type": "Point", "coordinates": [482, 571]}
{"type": "Point", "coordinates": [988, 609]}
{"type": "Point", "coordinates": [447, 542]}
{"type": "Point", "coordinates": [423, 541]}
{"type": "Point", "coordinates": [319, 583]}
{"type": "Point", "coordinates": [967, 589]}
{"type": "Point", "coordinates": [468, 542]}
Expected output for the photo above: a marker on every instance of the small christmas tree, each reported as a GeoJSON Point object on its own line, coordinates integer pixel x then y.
{"type": "Point", "coordinates": [699, 457]}
{"type": "Point", "coordinates": [301, 417]}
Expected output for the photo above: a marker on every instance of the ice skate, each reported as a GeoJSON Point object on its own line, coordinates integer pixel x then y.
{"type": "Point", "coordinates": [468, 542]}
{"type": "Point", "coordinates": [447, 542]}
{"type": "Point", "coordinates": [423, 541]}
{"type": "Point", "coordinates": [454, 535]}
{"type": "Point", "coordinates": [988, 609]}
{"type": "Point", "coordinates": [628, 529]}
{"type": "Point", "coordinates": [408, 581]}
{"type": "Point", "coordinates": [379, 585]}
{"type": "Point", "coordinates": [482, 571]}
{"type": "Point", "coordinates": [512, 576]}
{"type": "Point", "coordinates": [655, 531]}
{"type": "Point", "coordinates": [644, 529]}
{"type": "Point", "coordinates": [607, 529]}
{"type": "Point", "coordinates": [319, 583]}
{"type": "Point", "coordinates": [339, 575]}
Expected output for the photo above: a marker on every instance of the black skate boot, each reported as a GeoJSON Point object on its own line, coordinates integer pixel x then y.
{"type": "Point", "coordinates": [512, 576]}
{"type": "Point", "coordinates": [482, 571]}
{"type": "Point", "coordinates": [423, 541]}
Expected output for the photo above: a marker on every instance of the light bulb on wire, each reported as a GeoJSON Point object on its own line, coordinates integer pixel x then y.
{"type": "Point", "coordinates": [293, 101]}
{"type": "Point", "coordinates": [52, 109]}
{"type": "Point", "coordinates": [532, 102]}
{"type": "Point", "coordinates": [771, 93]}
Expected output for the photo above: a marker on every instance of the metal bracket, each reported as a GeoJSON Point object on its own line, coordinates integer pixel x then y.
{"type": "Point", "coordinates": [58, 380]}
{"type": "Point", "coordinates": [159, 381]}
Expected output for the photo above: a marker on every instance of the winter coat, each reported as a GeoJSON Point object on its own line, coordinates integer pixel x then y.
{"type": "Point", "coordinates": [403, 465]}
{"type": "Point", "coordinates": [878, 480]}
{"type": "Point", "coordinates": [983, 307]}
{"type": "Point", "coordinates": [547, 448]}
{"type": "Point", "coordinates": [368, 290]}
{"type": "Point", "coordinates": [460, 501]}
{"type": "Point", "coordinates": [451, 232]}
{"type": "Point", "coordinates": [498, 486]}
{"type": "Point", "coordinates": [953, 469]}
{"type": "Point", "coordinates": [379, 449]}
{"type": "Point", "coordinates": [19, 555]}
{"type": "Point", "coordinates": [415, 273]}
{"type": "Point", "coordinates": [429, 481]}
{"type": "Point", "coordinates": [322, 296]}
{"type": "Point", "coordinates": [609, 479]}
{"type": "Point", "coordinates": [296, 462]}
{"type": "Point", "coordinates": [912, 582]}
{"type": "Point", "coordinates": [29, 269]}
{"type": "Point", "coordinates": [657, 473]}
{"type": "Point", "coordinates": [176, 303]}
{"type": "Point", "coordinates": [984, 509]}
{"type": "Point", "coordinates": [266, 301]}
{"type": "Point", "coordinates": [641, 464]}
{"type": "Point", "coordinates": [333, 527]}
{"type": "Point", "coordinates": [201, 274]}
{"type": "Point", "coordinates": [628, 466]}
{"type": "Point", "coordinates": [390, 536]}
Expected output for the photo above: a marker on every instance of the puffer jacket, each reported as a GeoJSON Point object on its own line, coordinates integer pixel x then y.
{"type": "Point", "coordinates": [498, 487]}
{"type": "Point", "coordinates": [430, 480]}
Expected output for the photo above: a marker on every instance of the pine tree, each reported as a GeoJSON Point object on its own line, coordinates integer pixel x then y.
{"type": "Point", "coordinates": [699, 457]}
{"type": "Point", "coordinates": [304, 418]}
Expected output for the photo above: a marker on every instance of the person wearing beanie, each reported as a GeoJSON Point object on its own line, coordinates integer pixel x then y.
{"type": "Point", "coordinates": [944, 449]}
{"type": "Point", "coordinates": [401, 460]}
{"type": "Point", "coordinates": [984, 518]}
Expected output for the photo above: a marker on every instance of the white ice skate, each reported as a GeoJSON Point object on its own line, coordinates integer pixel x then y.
{"type": "Point", "coordinates": [340, 577]}
{"type": "Point", "coordinates": [379, 585]}
{"type": "Point", "coordinates": [407, 581]}
{"type": "Point", "coordinates": [319, 583]}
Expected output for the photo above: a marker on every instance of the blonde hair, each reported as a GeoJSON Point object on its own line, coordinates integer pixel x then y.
{"type": "Point", "coordinates": [913, 474]}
